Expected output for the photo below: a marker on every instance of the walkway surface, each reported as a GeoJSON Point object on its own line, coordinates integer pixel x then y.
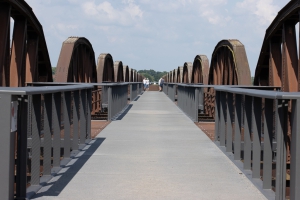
{"type": "Point", "coordinates": [152, 152]}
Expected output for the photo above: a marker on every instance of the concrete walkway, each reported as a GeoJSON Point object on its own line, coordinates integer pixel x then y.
{"type": "Point", "coordinates": [153, 152]}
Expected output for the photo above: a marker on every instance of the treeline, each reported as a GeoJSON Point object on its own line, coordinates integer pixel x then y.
{"type": "Point", "coordinates": [152, 75]}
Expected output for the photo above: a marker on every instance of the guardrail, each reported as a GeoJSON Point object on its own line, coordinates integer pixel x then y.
{"type": "Point", "coordinates": [64, 108]}
{"type": "Point", "coordinates": [268, 117]}
{"type": "Point", "coordinates": [113, 96]}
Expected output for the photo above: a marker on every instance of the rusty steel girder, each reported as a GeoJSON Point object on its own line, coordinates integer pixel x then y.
{"type": "Point", "coordinates": [126, 73]}
{"type": "Point", "coordinates": [179, 74]}
{"type": "Point", "coordinates": [28, 59]}
{"type": "Point", "coordinates": [174, 76]}
{"type": "Point", "coordinates": [200, 70]}
{"type": "Point", "coordinates": [105, 68]}
{"type": "Point", "coordinates": [119, 74]}
{"type": "Point", "coordinates": [187, 72]}
{"type": "Point", "coordinates": [278, 60]}
{"type": "Point", "coordinates": [229, 64]}
{"type": "Point", "coordinates": [76, 62]}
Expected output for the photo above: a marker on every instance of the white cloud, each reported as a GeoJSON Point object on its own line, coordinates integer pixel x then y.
{"type": "Point", "coordinates": [105, 12]}
{"type": "Point", "coordinates": [264, 10]}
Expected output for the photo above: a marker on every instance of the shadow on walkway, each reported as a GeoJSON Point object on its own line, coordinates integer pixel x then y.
{"type": "Point", "coordinates": [120, 117]}
{"type": "Point", "coordinates": [56, 185]}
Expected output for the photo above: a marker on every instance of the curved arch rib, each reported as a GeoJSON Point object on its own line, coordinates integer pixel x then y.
{"type": "Point", "coordinates": [278, 61]}
{"type": "Point", "coordinates": [118, 68]}
{"type": "Point", "coordinates": [28, 60]}
{"type": "Point", "coordinates": [105, 68]}
{"type": "Point", "coordinates": [200, 70]}
{"type": "Point", "coordinates": [229, 64]}
{"type": "Point", "coordinates": [187, 72]}
{"type": "Point", "coordinates": [76, 62]}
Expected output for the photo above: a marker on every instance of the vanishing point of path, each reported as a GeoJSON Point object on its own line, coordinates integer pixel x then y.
{"type": "Point", "coordinates": [152, 152]}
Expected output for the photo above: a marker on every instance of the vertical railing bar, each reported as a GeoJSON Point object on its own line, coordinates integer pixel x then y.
{"type": "Point", "coordinates": [229, 122]}
{"type": "Point", "coordinates": [247, 132]}
{"type": "Point", "coordinates": [237, 126]}
{"type": "Point", "coordinates": [256, 129]}
{"type": "Point", "coordinates": [36, 131]}
{"type": "Point", "coordinates": [47, 134]}
{"type": "Point", "coordinates": [56, 126]}
{"type": "Point", "coordinates": [89, 108]}
{"type": "Point", "coordinates": [295, 151]}
{"type": "Point", "coordinates": [267, 153]}
{"type": "Point", "coordinates": [75, 119]}
{"type": "Point", "coordinates": [222, 128]}
{"type": "Point", "coordinates": [280, 131]}
{"type": "Point", "coordinates": [82, 116]}
{"type": "Point", "coordinates": [217, 115]}
{"type": "Point", "coordinates": [67, 125]}
{"type": "Point", "coordinates": [110, 99]}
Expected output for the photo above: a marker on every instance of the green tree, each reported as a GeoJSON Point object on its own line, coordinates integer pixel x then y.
{"type": "Point", "coordinates": [53, 70]}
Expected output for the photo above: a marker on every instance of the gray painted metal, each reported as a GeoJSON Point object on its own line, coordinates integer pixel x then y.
{"type": "Point", "coordinates": [237, 126]}
{"type": "Point", "coordinates": [30, 108]}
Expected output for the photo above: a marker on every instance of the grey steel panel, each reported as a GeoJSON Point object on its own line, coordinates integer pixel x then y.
{"type": "Point", "coordinates": [36, 130]}
{"type": "Point", "coordinates": [7, 149]}
{"type": "Point", "coordinates": [82, 116]}
{"type": "Point", "coordinates": [67, 123]}
{"type": "Point", "coordinates": [247, 132]}
{"type": "Point", "coordinates": [267, 157]}
{"type": "Point", "coordinates": [47, 134]}
{"type": "Point", "coordinates": [256, 130]}
{"type": "Point", "coordinates": [217, 116]}
{"type": "Point", "coordinates": [229, 122]}
{"type": "Point", "coordinates": [89, 109]}
{"type": "Point", "coordinates": [222, 128]}
{"type": "Point", "coordinates": [280, 131]}
{"type": "Point", "coordinates": [295, 151]}
{"type": "Point", "coordinates": [75, 120]}
{"type": "Point", "coordinates": [56, 123]}
{"type": "Point", "coordinates": [237, 126]}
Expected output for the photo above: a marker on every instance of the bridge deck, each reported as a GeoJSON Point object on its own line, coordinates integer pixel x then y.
{"type": "Point", "coordinates": [153, 152]}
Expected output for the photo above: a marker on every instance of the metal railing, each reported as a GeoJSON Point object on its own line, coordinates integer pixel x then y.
{"type": "Point", "coordinates": [270, 134]}
{"type": "Point", "coordinates": [113, 96]}
{"type": "Point", "coordinates": [32, 117]}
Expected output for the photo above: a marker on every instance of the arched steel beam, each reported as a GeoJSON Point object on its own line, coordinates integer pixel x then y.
{"type": "Point", "coordinates": [118, 68]}
{"type": "Point", "coordinates": [174, 76]}
{"type": "Point", "coordinates": [200, 70]}
{"type": "Point", "coordinates": [278, 60]}
{"type": "Point", "coordinates": [179, 74]}
{"type": "Point", "coordinates": [28, 59]}
{"type": "Point", "coordinates": [105, 68]}
{"type": "Point", "coordinates": [229, 64]}
{"type": "Point", "coordinates": [76, 62]}
{"type": "Point", "coordinates": [187, 72]}
{"type": "Point", "coordinates": [126, 73]}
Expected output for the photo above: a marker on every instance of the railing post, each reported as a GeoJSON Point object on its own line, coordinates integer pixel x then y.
{"type": "Point", "coordinates": [247, 132]}
{"type": "Point", "coordinates": [222, 128]}
{"type": "Point", "coordinates": [7, 149]}
{"type": "Point", "coordinates": [22, 153]}
{"type": "Point", "coordinates": [268, 140]}
{"type": "Point", "coordinates": [82, 116]}
{"type": "Point", "coordinates": [295, 151]}
{"type": "Point", "coordinates": [110, 103]}
{"type": "Point", "coordinates": [196, 104]}
{"type": "Point", "coordinates": [237, 126]}
{"type": "Point", "coordinates": [256, 129]}
{"type": "Point", "coordinates": [76, 119]}
{"type": "Point", "coordinates": [89, 109]}
{"type": "Point", "coordinates": [131, 90]}
{"type": "Point", "coordinates": [229, 122]}
{"type": "Point", "coordinates": [56, 124]}
{"type": "Point", "coordinates": [67, 123]}
{"type": "Point", "coordinates": [217, 115]}
{"type": "Point", "coordinates": [36, 131]}
{"type": "Point", "coordinates": [280, 131]}
{"type": "Point", "coordinates": [47, 134]}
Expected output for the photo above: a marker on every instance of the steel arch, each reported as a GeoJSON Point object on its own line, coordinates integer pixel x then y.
{"type": "Point", "coordinates": [126, 73]}
{"type": "Point", "coordinates": [200, 70]}
{"type": "Point", "coordinates": [187, 72]}
{"type": "Point", "coordinates": [118, 68]}
{"type": "Point", "coordinates": [76, 62]}
{"type": "Point", "coordinates": [105, 68]}
{"type": "Point", "coordinates": [28, 59]}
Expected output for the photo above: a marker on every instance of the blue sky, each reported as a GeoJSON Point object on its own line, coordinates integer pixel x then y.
{"type": "Point", "coordinates": [156, 34]}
